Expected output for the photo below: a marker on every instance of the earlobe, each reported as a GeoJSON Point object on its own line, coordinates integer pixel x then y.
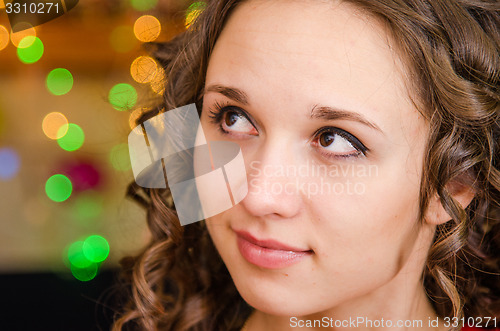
{"type": "Point", "coordinates": [436, 213]}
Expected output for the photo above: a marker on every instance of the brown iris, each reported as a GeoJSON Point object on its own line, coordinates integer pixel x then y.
{"type": "Point", "coordinates": [326, 139]}
{"type": "Point", "coordinates": [231, 118]}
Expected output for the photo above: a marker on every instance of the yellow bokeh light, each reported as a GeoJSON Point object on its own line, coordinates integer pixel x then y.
{"type": "Point", "coordinates": [191, 16]}
{"type": "Point", "coordinates": [134, 116]}
{"type": "Point", "coordinates": [159, 81]}
{"type": "Point", "coordinates": [2, 4]}
{"type": "Point", "coordinates": [52, 123]}
{"type": "Point", "coordinates": [147, 28]}
{"type": "Point", "coordinates": [26, 30]}
{"type": "Point", "coordinates": [4, 37]}
{"type": "Point", "coordinates": [143, 69]}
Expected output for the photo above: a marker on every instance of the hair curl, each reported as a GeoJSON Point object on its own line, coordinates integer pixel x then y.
{"type": "Point", "coordinates": [451, 50]}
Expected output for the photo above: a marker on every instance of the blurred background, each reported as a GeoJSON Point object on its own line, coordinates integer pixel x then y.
{"type": "Point", "coordinates": [70, 90]}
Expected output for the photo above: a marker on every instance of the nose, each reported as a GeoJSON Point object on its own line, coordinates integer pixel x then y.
{"type": "Point", "coordinates": [272, 191]}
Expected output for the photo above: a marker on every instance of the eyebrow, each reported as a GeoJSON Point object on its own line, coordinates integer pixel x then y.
{"type": "Point", "coordinates": [317, 112]}
{"type": "Point", "coordinates": [229, 92]}
{"type": "Point", "coordinates": [330, 113]}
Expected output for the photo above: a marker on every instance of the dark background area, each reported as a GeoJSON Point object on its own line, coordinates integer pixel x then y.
{"type": "Point", "coordinates": [48, 301]}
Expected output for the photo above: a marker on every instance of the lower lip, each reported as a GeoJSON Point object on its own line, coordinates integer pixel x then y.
{"type": "Point", "coordinates": [269, 258]}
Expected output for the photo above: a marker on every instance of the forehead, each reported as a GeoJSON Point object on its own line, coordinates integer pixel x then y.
{"type": "Point", "coordinates": [320, 51]}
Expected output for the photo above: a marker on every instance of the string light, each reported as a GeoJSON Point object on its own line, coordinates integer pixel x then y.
{"type": "Point", "coordinates": [24, 30]}
{"type": "Point", "coordinates": [4, 37]}
{"type": "Point", "coordinates": [95, 248]}
{"type": "Point", "coordinates": [193, 11]}
{"type": "Point", "coordinates": [30, 49]}
{"type": "Point", "coordinates": [73, 139]}
{"type": "Point", "coordinates": [159, 81]}
{"type": "Point", "coordinates": [122, 96]}
{"type": "Point", "coordinates": [9, 163]}
{"type": "Point", "coordinates": [58, 188]}
{"type": "Point", "coordinates": [147, 28]}
{"type": "Point", "coordinates": [119, 157]}
{"type": "Point", "coordinates": [143, 69]}
{"type": "Point", "coordinates": [52, 123]}
{"type": "Point", "coordinates": [59, 81]}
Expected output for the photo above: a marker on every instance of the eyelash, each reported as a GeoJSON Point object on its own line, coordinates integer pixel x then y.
{"type": "Point", "coordinates": [217, 112]}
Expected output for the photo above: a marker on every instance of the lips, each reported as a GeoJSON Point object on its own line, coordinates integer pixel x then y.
{"type": "Point", "coordinates": [269, 254]}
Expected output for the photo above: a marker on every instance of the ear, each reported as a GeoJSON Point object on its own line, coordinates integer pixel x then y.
{"type": "Point", "coordinates": [462, 193]}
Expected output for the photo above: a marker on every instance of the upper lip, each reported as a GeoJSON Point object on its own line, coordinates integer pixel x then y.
{"type": "Point", "coordinates": [269, 243]}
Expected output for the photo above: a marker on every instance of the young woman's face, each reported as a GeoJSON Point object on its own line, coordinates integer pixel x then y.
{"type": "Point", "coordinates": [333, 148]}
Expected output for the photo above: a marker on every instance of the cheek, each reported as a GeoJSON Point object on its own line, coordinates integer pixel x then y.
{"type": "Point", "coordinates": [375, 229]}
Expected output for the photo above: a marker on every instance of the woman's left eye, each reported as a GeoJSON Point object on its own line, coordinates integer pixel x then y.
{"type": "Point", "coordinates": [338, 143]}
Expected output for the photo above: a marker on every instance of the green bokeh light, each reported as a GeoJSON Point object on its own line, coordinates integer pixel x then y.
{"type": "Point", "coordinates": [123, 39]}
{"type": "Point", "coordinates": [95, 248]}
{"type": "Point", "coordinates": [58, 188]}
{"type": "Point", "coordinates": [59, 81]}
{"type": "Point", "coordinates": [193, 11]}
{"type": "Point", "coordinates": [122, 97]}
{"type": "Point", "coordinates": [199, 5]}
{"type": "Point", "coordinates": [76, 257]}
{"type": "Point", "coordinates": [88, 206]}
{"type": "Point", "coordinates": [120, 158]}
{"type": "Point", "coordinates": [73, 139]}
{"type": "Point", "coordinates": [33, 52]}
{"type": "Point", "coordinates": [143, 5]}
{"type": "Point", "coordinates": [85, 274]}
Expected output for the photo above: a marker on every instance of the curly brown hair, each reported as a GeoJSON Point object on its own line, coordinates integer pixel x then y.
{"type": "Point", "coordinates": [451, 50]}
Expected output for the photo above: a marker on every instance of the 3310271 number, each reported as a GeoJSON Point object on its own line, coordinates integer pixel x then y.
{"type": "Point", "coordinates": [32, 8]}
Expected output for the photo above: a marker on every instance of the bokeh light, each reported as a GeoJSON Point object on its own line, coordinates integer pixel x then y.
{"type": "Point", "coordinates": [122, 39]}
{"type": "Point", "coordinates": [83, 175]}
{"type": "Point", "coordinates": [159, 81]}
{"type": "Point", "coordinates": [76, 257]}
{"type": "Point", "coordinates": [9, 163]}
{"type": "Point", "coordinates": [95, 248]}
{"type": "Point", "coordinates": [120, 158]}
{"type": "Point", "coordinates": [147, 28]}
{"type": "Point", "coordinates": [193, 11]}
{"type": "Point", "coordinates": [85, 256]}
{"type": "Point", "coordinates": [143, 69]}
{"type": "Point", "coordinates": [73, 139]}
{"type": "Point", "coordinates": [85, 274]}
{"type": "Point", "coordinates": [2, 4]}
{"type": "Point", "coordinates": [122, 96]}
{"type": "Point", "coordinates": [58, 188]}
{"type": "Point", "coordinates": [2, 121]}
{"type": "Point", "coordinates": [88, 206]}
{"type": "Point", "coordinates": [51, 124]}
{"type": "Point", "coordinates": [4, 37]}
{"type": "Point", "coordinates": [33, 52]}
{"type": "Point", "coordinates": [134, 116]}
{"type": "Point", "coordinates": [59, 81]}
{"type": "Point", "coordinates": [25, 30]}
{"type": "Point", "coordinates": [143, 5]}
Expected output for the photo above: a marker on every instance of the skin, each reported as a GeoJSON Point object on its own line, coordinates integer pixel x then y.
{"type": "Point", "coordinates": [368, 249]}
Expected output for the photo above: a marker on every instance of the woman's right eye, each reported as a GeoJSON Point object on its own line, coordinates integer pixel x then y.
{"type": "Point", "coordinates": [237, 123]}
{"type": "Point", "coordinates": [232, 121]}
